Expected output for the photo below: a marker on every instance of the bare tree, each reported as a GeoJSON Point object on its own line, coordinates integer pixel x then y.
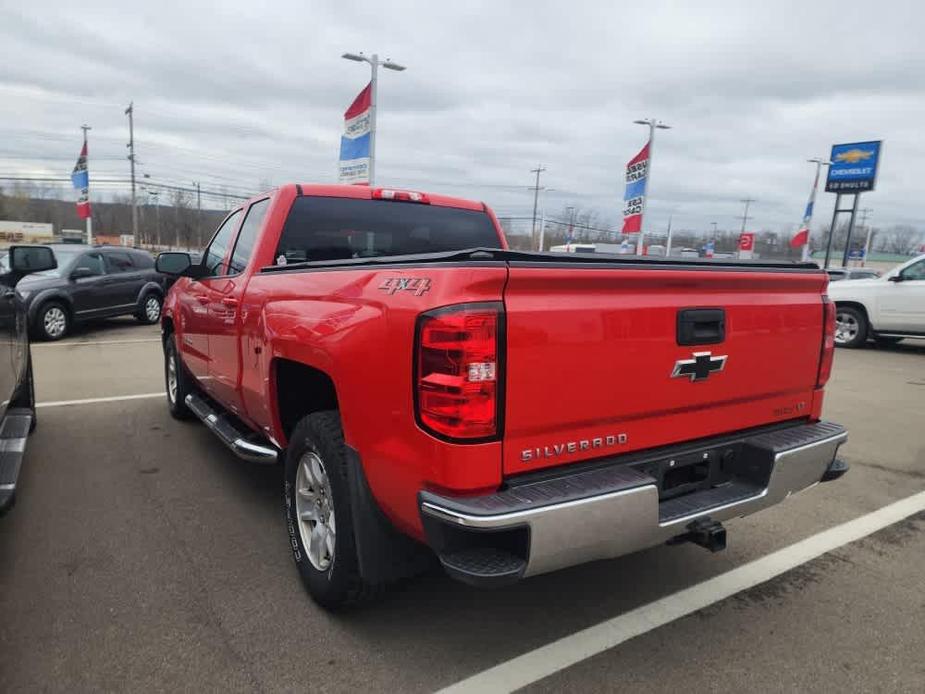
{"type": "Point", "coordinates": [900, 239]}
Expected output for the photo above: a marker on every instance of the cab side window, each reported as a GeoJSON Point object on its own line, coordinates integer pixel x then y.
{"type": "Point", "coordinates": [248, 236]}
{"type": "Point", "coordinates": [915, 272]}
{"type": "Point", "coordinates": [92, 262]}
{"type": "Point", "coordinates": [214, 259]}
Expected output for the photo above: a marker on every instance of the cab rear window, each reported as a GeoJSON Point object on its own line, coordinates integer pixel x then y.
{"type": "Point", "coordinates": [341, 228]}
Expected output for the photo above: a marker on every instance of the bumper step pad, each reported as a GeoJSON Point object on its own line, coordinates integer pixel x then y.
{"type": "Point", "coordinates": [484, 566]}
{"type": "Point", "coordinates": [13, 434]}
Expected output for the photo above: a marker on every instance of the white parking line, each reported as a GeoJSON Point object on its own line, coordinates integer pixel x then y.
{"type": "Point", "coordinates": [94, 342]}
{"type": "Point", "coordinates": [567, 651]}
{"type": "Point", "coordinates": [93, 401]}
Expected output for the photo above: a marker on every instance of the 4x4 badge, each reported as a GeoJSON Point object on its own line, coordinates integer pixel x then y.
{"type": "Point", "coordinates": [418, 285]}
{"type": "Point", "coordinates": [700, 367]}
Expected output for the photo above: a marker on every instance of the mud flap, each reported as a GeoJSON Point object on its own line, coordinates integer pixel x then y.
{"type": "Point", "coordinates": [385, 555]}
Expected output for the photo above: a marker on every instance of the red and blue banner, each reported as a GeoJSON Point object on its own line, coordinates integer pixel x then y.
{"type": "Point", "coordinates": [637, 175]}
{"type": "Point", "coordinates": [353, 166]}
{"type": "Point", "coordinates": [801, 238]}
{"type": "Point", "coordinates": [80, 178]}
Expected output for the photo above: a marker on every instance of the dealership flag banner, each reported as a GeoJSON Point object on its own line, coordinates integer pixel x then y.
{"type": "Point", "coordinates": [80, 177]}
{"type": "Point", "coordinates": [637, 173]}
{"type": "Point", "coordinates": [353, 166]}
{"type": "Point", "coordinates": [801, 238]}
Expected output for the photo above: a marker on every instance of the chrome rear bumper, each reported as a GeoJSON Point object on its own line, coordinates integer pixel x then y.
{"type": "Point", "coordinates": [607, 512]}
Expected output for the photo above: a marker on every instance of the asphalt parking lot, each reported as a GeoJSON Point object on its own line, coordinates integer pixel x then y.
{"type": "Point", "coordinates": [141, 555]}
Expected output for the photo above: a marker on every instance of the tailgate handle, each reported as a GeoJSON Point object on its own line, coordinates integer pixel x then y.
{"type": "Point", "coordinates": [701, 326]}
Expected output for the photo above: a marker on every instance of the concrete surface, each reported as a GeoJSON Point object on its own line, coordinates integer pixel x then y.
{"type": "Point", "coordinates": [142, 556]}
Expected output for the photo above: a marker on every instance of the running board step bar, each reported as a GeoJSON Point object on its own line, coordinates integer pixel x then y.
{"type": "Point", "coordinates": [242, 443]}
{"type": "Point", "coordinates": [13, 434]}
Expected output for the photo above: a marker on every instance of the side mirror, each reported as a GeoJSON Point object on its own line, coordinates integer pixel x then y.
{"type": "Point", "coordinates": [81, 272]}
{"type": "Point", "coordinates": [896, 278]}
{"type": "Point", "coordinates": [174, 263]}
{"type": "Point", "coordinates": [25, 260]}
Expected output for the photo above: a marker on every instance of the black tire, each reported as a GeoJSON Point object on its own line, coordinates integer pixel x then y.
{"type": "Point", "coordinates": [43, 329]}
{"type": "Point", "coordinates": [143, 316]}
{"type": "Point", "coordinates": [887, 341]}
{"type": "Point", "coordinates": [176, 402]}
{"type": "Point", "coordinates": [338, 584]}
{"type": "Point", "coordinates": [851, 327]}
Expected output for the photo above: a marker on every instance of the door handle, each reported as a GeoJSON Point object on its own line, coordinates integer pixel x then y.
{"type": "Point", "coordinates": [229, 302]}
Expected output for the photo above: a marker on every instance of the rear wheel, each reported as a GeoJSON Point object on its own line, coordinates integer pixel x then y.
{"type": "Point", "coordinates": [318, 513]}
{"type": "Point", "coordinates": [150, 312]}
{"type": "Point", "coordinates": [850, 327]}
{"type": "Point", "coordinates": [177, 381]}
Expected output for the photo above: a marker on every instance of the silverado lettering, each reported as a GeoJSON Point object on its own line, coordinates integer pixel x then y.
{"type": "Point", "coordinates": [485, 422]}
{"type": "Point", "coordinates": [529, 454]}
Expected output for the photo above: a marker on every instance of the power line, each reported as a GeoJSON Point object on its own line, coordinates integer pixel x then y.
{"type": "Point", "coordinates": [149, 183]}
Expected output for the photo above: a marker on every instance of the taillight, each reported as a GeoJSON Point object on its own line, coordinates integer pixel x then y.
{"type": "Point", "coordinates": [828, 342]}
{"type": "Point", "coordinates": [458, 371]}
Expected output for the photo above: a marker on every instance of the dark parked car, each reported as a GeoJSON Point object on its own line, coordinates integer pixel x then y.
{"type": "Point", "coordinates": [17, 408]}
{"type": "Point", "coordinates": [92, 282]}
{"type": "Point", "coordinates": [856, 273]}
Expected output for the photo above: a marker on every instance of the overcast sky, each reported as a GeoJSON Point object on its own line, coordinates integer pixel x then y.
{"type": "Point", "coordinates": [243, 94]}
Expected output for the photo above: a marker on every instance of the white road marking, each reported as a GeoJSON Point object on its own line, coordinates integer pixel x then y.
{"type": "Point", "coordinates": [569, 650]}
{"type": "Point", "coordinates": [93, 401]}
{"type": "Point", "coordinates": [94, 342]}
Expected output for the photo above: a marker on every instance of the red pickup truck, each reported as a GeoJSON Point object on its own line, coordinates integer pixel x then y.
{"type": "Point", "coordinates": [431, 392]}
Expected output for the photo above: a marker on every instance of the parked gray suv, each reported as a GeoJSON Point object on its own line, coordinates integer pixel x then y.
{"type": "Point", "coordinates": [91, 282]}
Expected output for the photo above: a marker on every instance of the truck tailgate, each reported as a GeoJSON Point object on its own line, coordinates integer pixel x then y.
{"type": "Point", "coordinates": [591, 353]}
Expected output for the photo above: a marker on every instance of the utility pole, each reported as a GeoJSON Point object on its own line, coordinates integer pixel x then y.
{"type": "Point", "coordinates": [85, 128]}
{"type": "Point", "coordinates": [536, 198]}
{"type": "Point", "coordinates": [864, 214]}
{"type": "Point", "coordinates": [745, 217]}
{"type": "Point", "coordinates": [374, 64]}
{"type": "Point", "coordinates": [198, 213]}
{"type": "Point", "coordinates": [130, 112]}
{"type": "Point", "coordinates": [653, 125]}
{"type": "Point", "coordinates": [542, 243]}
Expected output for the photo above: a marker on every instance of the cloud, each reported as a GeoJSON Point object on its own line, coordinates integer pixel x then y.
{"type": "Point", "coordinates": [237, 94]}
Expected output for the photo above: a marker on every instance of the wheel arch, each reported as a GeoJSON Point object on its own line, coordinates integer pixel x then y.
{"type": "Point", "coordinates": [850, 303]}
{"type": "Point", "coordinates": [50, 295]}
{"type": "Point", "coordinates": [149, 287]}
{"type": "Point", "coordinates": [299, 389]}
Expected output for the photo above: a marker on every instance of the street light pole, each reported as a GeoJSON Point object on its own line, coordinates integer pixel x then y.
{"type": "Point", "coordinates": [85, 128]}
{"type": "Point", "coordinates": [653, 125]}
{"type": "Point", "coordinates": [130, 112]}
{"type": "Point", "coordinates": [808, 218]}
{"type": "Point", "coordinates": [374, 64]}
{"type": "Point", "coordinates": [157, 214]}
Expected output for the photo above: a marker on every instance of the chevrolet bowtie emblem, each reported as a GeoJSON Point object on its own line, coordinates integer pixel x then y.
{"type": "Point", "coordinates": [700, 367]}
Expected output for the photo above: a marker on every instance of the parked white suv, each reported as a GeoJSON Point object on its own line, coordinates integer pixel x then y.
{"type": "Point", "coordinates": [886, 309]}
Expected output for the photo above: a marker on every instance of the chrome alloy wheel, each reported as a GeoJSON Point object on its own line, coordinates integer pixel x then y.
{"type": "Point", "coordinates": [152, 309]}
{"type": "Point", "coordinates": [846, 328]}
{"type": "Point", "coordinates": [54, 322]}
{"type": "Point", "coordinates": [172, 378]}
{"type": "Point", "coordinates": [314, 505]}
